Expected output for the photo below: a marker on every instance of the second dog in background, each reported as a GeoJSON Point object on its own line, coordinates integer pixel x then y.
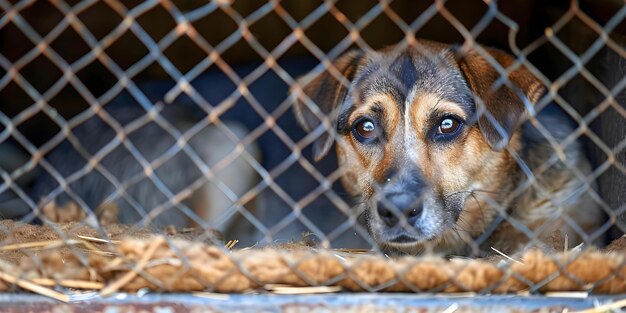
{"type": "Point", "coordinates": [147, 176]}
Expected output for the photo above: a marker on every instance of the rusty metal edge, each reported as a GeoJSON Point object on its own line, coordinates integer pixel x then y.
{"type": "Point", "coordinates": [343, 302]}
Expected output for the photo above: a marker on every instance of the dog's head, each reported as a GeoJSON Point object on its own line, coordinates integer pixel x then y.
{"type": "Point", "coordinates": [419, 128]}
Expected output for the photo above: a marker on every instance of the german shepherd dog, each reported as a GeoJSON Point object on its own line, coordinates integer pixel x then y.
{"type": "Point", "coordinates": [444, 152]}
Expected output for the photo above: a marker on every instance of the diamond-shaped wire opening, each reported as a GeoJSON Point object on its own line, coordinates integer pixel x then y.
{"type": "Point", "coordinates": [46, 21]}
{"type": "Point", "coordinates": [100, 19]}
{"type": "Point", "coordinates": [157, 22]}
{"type": "Point", "coordinates": [72, 45]}
{"type": "Point", "coordinates": [270, 23]}
{"type": "Point", "coordinates": [37, 65]}
{"type": "Point", "coordinates": [20, 99]}
{"type": "Point", "coordinates": [381, 22]}
{"type": "Point", "coordinates": [185, 50]}
{"type": "Point", "coordinates": [39, 120]}
{"type": "Point", "coordinates": [127, 50]}
{"type": "Point", "coordinates": [96, 78]}
{"type": "Point", "coordinates": [328, 28]}
{"type": "Point", "coordinates": [214, 36]}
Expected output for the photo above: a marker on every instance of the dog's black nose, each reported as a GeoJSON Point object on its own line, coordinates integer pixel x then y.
{"type": "Point", "coordinates": [399, 205]}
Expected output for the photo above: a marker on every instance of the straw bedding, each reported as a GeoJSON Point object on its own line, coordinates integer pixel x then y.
{"type": "Point", "coordinates": [78, 256]}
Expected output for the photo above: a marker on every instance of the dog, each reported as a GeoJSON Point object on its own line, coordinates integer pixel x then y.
{"type": "Point", "coordinates": [443, 152]}
{"type": "Point", "coordinates": [122, 166]}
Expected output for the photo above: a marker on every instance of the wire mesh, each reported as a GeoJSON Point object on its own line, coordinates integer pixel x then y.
{"type": "Point", "coordinates": [181, 117]}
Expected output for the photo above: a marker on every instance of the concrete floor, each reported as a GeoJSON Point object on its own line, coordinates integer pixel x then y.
{"type": "Point", "coordinates": [341, 302]}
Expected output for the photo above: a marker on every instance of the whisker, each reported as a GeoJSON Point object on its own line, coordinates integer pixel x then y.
{"type": "Point", "coordinates": [470, 191]}
{"type": "Point", "coordinates": [487, 191]}
{"type": "Point", "coordinates": [480, 209]}
{"type": "Point", "coordinates": [455, 193]}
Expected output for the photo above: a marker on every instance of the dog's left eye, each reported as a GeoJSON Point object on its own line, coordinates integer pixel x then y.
{"type": "Point", "coordinates": [447, 128]}
{"type": "Point", "coordinates": [364, 130]}
{"type": "Point", "coordinates": [448, 125]}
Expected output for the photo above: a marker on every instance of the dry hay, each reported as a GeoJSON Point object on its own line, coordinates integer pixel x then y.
{"type": "Point", "coordinates": [34, 257]}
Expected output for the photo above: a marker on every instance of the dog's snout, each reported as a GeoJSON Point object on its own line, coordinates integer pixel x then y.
{"type": "Point", "coordinates": [402, 179]}
{"type": "Point", "coordinates": [391, 174]}
{"type": "Point", "coordinates": [395, 206]}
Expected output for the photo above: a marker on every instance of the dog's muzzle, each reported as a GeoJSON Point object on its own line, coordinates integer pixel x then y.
{"type": "Point", "coordinates": [396, 207]}
{"type": "Point", "coordinates": [400, 208]}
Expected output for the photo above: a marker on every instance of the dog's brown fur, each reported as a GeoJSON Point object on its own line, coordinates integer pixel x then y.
{"type": "Point", "coordinates": [464, 183]}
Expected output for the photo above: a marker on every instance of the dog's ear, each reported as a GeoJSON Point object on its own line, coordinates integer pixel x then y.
{"type": "Point", "coordinates": [327, 91]}
{"type": "Point", "coordinates": [507, 103]}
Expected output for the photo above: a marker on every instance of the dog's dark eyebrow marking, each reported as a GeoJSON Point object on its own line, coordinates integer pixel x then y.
{"type": "Point", "coordinates": [380, 82]}
{"type": "Point", "coordinates": [377, 111]}
{"type": "Point", "coordinates": [377, 108]}
{"type": "Point", "coordinates": [404, 69]}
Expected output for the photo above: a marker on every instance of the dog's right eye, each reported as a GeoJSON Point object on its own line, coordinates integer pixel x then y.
{"type": "Point", "coordinates": [364, 130]}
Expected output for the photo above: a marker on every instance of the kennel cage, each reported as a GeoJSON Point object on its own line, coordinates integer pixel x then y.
{"type": "Point", "coordinates": [121, 111]}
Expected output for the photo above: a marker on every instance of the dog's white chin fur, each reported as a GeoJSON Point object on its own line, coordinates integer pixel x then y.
{"type": "Point", "coordinates": [431, 226]}
{"type": "Point", "coordinates": [443, 241]}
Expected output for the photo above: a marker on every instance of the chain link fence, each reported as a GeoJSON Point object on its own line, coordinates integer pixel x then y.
{"type": "Point", "coordinates": [180, 118]}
